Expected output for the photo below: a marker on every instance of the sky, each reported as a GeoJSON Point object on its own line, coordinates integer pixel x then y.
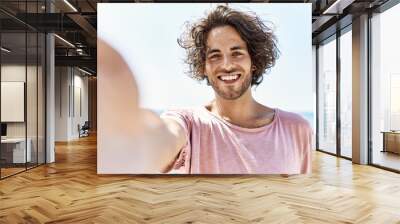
{"type": "Point", "coordinates": [146, 36]}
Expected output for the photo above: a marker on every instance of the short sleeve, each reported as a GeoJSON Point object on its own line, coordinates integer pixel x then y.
{"type": "Point", "coordinates": [181, 164]}
{"type": "Point", "coordinates": [306, 163]}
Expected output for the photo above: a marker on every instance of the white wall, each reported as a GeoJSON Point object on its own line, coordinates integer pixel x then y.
{"type": "Point", "coordinates": [62, 81]}
{"type": "Point", "coordinates": [33, 127]}
{"type": "Point", "coordinates": [70, 94]}
{"type": "Point", "coordinates": [11, 73]}
{"type": "Point", "coordinates": [50, 94]}
{"type": "Point", "coordinates": [79, 112]}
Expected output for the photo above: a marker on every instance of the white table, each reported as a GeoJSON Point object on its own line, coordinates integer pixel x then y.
{"type": "Point", "coordinates": [19, 155]}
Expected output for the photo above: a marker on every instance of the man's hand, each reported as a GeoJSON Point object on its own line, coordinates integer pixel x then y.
{"type": "Point", "coordinates": [130, 139]}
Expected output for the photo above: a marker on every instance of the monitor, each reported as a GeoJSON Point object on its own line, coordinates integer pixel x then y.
{"type": "Point", "coordinates": [3, 129]}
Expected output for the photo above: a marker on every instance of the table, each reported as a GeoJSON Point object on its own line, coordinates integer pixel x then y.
{"type": "Point", "coordinates": [391, 141]}
{"type": "Point", "coordinates": [15, 148]}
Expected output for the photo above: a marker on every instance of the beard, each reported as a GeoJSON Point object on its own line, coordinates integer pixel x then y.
{"type": "Point", "coordinates": [230, 92]}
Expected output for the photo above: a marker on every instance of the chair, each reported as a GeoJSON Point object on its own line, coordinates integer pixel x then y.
{"type": "Point", "coordinates": [84, 130]}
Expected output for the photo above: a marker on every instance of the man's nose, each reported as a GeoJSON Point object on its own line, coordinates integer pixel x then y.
{"type": "Point", "coordinates": [227, 63]}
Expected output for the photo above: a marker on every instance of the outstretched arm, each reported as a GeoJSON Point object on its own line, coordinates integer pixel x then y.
{"type": "Point", "coordinates": [130, 139]}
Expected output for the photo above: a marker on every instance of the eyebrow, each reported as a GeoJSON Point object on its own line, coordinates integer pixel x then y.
{"type": "Point", "coordinates": [210, 51]}
{"type": "Point", "coordinates": [237, 48]}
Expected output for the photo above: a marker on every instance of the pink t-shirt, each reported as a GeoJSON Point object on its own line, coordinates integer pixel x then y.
{"type": "Point", "coordinates": [216, 146]}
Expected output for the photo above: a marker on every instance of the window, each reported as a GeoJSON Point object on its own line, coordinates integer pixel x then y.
{"type": "Point", "coordinates": [346, 94]}
{"type": "Point", "coordinates": [327, 96]}
{"type": "Point", "coordinates": [22, 92]}
{"type": "Point", "coordinates": [385, 85]}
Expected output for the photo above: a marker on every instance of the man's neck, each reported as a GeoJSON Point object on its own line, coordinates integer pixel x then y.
{"type": "Point", "coordinates": [239, 111]}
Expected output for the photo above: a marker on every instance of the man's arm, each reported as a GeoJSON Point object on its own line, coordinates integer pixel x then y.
{"type": "Point", "coordinates": [131, 139]}
{"type": "Point", "coordinates": [161, 140]}
{"type": "Point", "coordinates": [180, 137]}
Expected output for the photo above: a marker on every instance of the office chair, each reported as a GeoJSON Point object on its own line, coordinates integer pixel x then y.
{"type": "Point", "coordinates": [84, 130]}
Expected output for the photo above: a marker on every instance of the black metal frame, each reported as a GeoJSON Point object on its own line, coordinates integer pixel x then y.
{"type": "Point", "coordinates": [45, 90]}
{"type": "Point", "coordinates": [0, 91]}
{"type": "Point", "coordinates": [44, 77]}
{"type": "Point", "coordinates": [338, 98]}
{"type": "Point", "coordinates": [369, 90]}
{"type": "Point", "coordinates": [387, 5]}
{"type": "Point", "coordinates": [26, 89]}
{"type": "Point", "coordinates": [339, 32]}
{"type": "Point", "coordinates": [316, 97]}
{"type": "Point", "coordinates": [326, 40]}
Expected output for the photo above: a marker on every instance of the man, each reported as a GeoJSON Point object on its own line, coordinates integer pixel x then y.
{"type": "Point", "coordinates": [233, 134]}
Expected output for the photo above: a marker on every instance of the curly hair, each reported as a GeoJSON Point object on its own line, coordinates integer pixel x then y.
{"type": "Point", "coordinates": [261, 41]}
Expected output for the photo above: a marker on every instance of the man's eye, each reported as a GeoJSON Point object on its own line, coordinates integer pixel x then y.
{"type": "Point", "coordinates": [236, 54]}
{"type": "Point", "coordinates": [214, 56]}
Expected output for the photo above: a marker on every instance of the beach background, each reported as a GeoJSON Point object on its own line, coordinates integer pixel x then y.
{"type": "Point", "coordinates": [158, 65]}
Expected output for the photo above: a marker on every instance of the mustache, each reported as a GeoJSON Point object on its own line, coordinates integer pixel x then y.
{"type": "Point", "coordinates": [229, 72]}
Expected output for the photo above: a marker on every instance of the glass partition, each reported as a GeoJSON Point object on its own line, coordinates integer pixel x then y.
{"type": "Point", "coordinates": [327, 96]}
{"type": "Point", "coordinates": [385, 114]}
{"type": "Point", "coordinates": [33, 56]}
{"type": "Point", "coordinates": [22, 88]}
{"type": "Point", "coordinates": [346, 94]}
{"type": "Point", "coordinates": [13, 109]}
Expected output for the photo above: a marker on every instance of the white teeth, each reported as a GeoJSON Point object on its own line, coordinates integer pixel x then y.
{"type": "Point", "coordinates": [229, 77]}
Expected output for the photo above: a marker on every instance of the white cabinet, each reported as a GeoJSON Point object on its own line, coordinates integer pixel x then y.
{"type": "Point", "coordinates": [18, 149]}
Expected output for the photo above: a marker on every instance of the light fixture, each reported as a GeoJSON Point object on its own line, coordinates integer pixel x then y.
{"type": "Point", "coordinates": [80, 51]}
{"type": "Point", "coordinates": [84, 71]}
{"type": "Point", "coordinates": [5, 50]}
{"type": "Point", "coordinates": [337, 7]}
{"type": "Point", "coordinates": [70, 5]}
{"type": "Point", "coordinates": [64, 40]}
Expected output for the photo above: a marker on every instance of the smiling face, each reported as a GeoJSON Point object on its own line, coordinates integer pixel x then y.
{"type": "Point", "coordinates": [228, 63]}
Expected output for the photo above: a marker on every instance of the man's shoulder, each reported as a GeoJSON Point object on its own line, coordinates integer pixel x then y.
{"type": "Point", "coordinates": [186, 112]}
{"type": "Point", "coordinates": [293, 119]}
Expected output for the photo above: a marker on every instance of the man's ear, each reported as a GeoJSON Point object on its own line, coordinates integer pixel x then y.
{"type": "Point", "coordinates": [253, 68]}
{"type": "Point", "coordinates": [202, 73]}
{"type": "Point", "coordinates": [206, 78]}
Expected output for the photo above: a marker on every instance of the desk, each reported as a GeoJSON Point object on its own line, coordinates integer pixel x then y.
{"type": "Point", "coordinates": [391, 141]}
{"type": "Point", "coordinates": [15, 148]}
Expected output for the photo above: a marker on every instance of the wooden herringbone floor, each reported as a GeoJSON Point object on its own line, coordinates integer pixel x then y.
{"type": "Point", "coordinates": [70, 191]}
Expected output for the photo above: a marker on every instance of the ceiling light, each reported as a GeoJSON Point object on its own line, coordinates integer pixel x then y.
{"type": "Point", "coordinates": [337, 7]}
{"type": "Point", "coordinates": [5, 50]}
{"type": "Point", "coordinates": [65, 41]}
{"type": "Point", "coordinates": [70, 5]}
{"type": "Point", "coordinates": [84, 71]}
